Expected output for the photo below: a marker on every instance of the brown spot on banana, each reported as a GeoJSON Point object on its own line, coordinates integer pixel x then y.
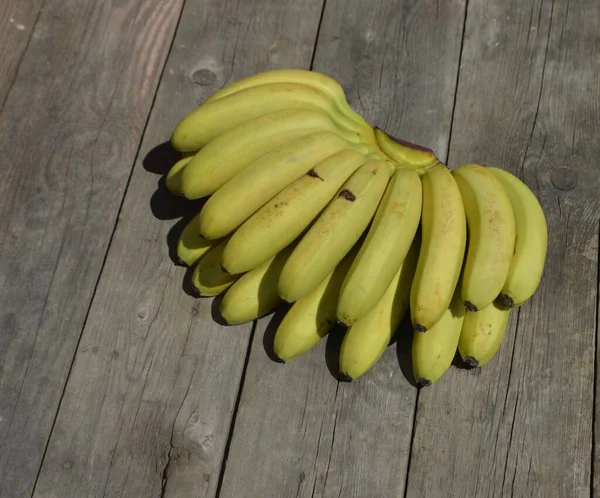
{"type": "Point", "coordinates": [349, 196]}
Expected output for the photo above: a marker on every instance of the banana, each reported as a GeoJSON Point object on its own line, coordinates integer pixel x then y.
{"type": "Point", "coordinates": [491, 226]}
{"type": "Point", "coordinates": [434, 350]}
{"type": "Point", "coordinates": [255, 293]}
{"type": "Point", "coordinates": [442, 249]}
{"type": "Point", "coordinates": [225, 156]}
{"type": "Point", "coordinates": [255, 185]}
{"type": "Point", "coordinates": [287, 215]}
{"type": "Point", "coordinates": [367, 339]}
{"type": "Point", "coordinates": [388, 241]}
{"type": "Point", "coordinates": [531, 241]}
{"type": "Point", "coordinates": [334, 233]}
{"type": "Point", "coordinates": [212, 119]}
{"type": "Point", "coordinates": [191, 246]}
{"type": "Point", "coordinates": [482, 333]}
{"type": "Point", "coordinates": [209, 279]}
{"type": "Point", "coordinates": [173, 178]}
{"type": "Point", "coordinates": [311, 317]}
{"type": "Point", "coordinates": [406, 154]}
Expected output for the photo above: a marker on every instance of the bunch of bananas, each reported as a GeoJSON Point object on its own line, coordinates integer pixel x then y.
{"type": "Point", "coordinates": [308, 204]}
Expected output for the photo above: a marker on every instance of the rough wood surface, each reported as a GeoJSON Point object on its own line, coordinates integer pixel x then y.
{"type": "Point", "coordinates": [527, 100]}
{"type": "Point", "coordinates": [313, 436]}
{"type": "Point", "coordinates": [69, 131]}
{"type": "Point", "coordinates": [149, 402]}
{"type": "Point", "coordinates": [17, 20]}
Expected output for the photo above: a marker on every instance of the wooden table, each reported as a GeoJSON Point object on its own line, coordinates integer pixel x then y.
{"type": "Point", "coordinates": [114, 382]}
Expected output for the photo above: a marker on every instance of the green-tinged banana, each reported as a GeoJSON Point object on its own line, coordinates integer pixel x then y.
{"type": "Point", "coordinates": [531, 241]}
{"type": "Point", "coordinates": [491, 226]}
{"type": "Point", "coordinates": [311, 317]}
{"type": "Point", "coordinates": [173, 179]}
{"type": "Point", "coordinates": [482, 333]}
{"type": "Point", "coordinates": [212, 119]}
{"type": "Point", "coordinates": [335, 231]}
{"type": "Point", "coordinates": [191, 246]}
{"type": "Point", "coordinates": [444, 231]}
{"type": "Point", "coordinates": [388, 241]}
{"type": "Point", "coordinates": [434, 350]}
{"type": "Point", "coordinates": [209, 279]}
{"type": "Point", "coordinates": [406, 154]}
{"type": "Point", "coordinates": [289, 213]}
{"type": "Point", "coordinates": [255, 293]}
{"type": "Point", "coordinates": [255, 185]}
{"type": "Point", "coordinates": [367, 339]}
{"type": "Point", "coordinates": [225, 156]}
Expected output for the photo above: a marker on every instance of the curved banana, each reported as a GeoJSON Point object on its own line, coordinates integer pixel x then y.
{"type": "Point", "coordinates": [191, 246]}
{"type": "Point", "coordinates": [531, 241]}
{"type": "Point", "coordinates": [334, 233]}
{"type": "Point", "coordinates": [173, 178]}
{"type": "Point", "coordinates": [442, 248]}
{"type": "Point", "coordinates": [255, 293]}
{"type": "Point", "coordinates": [482, 333]}
{"type": "Point", "coordinates": [212, 119]}
{"type": "Point", "coordinates": [434, 350]}
{"type": "Point", "coordinates": [225, 156]}
{"type": "Point", "coordinates": [407, 155]}
{"type": "Point", "coordinates": [287, 215]}
{"type": "Point", "coordinates": [255, 185]}
{"type": "Point", "coordinates": [312, 316]}
{"type": "Point", "coordinates": [367, 339]}
{"type": "Point", "coordinates": [209, 279]}
{"type": "Point", "coordinates": [388, 241]}
{"type": "Point", "coordinates": [491, 225]}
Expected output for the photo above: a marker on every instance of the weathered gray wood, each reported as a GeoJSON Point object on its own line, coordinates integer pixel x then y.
{"type": "Point", "coordinates": [528, 101]}
{"type": "Point", "coordinates": [298, 432]}
{"type": "Point", "coordinates": [69, 131]}
{"type": "Point", "coordinates": [150, 399]}
{"type": "Point", "coordinates": [17, 20]}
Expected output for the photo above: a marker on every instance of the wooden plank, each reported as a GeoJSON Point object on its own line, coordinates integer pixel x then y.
{"type": "Point", "coordinates": [312, 435]}
{"type": "Point", "coordinates": [17, 20]}
{"type": "Point", "coordinates": [150, 399]}
{"type": "Point", "coordinates": [522, 426]}
{"type": "Point", "coordinates": [69, 132]}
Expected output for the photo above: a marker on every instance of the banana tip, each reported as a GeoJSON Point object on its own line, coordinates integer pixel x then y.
{"type": "Point", "coordinates": [470, 306]}
{"type": "Point", "coordinates": [420, 328]}
{"type": "Point", "coordinates": [507, 301]}
{"type": "Point", "coordinates": [470, 362]}
{"type": "Point", "coordinates": [344, 377]}
{"type": "Point", "coordinates": [423, 382]}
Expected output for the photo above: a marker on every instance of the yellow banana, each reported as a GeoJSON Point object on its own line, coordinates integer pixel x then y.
{"type": "Point", "coordinates": [287, 215]}
{"type": "Point", "coordinates": [388, 241]}
{"type": "Point", "coordinates": [191, 246]}
{"type": "Point", "coordinates": [255, 185]}
{"type": "Point", "coordinates": [173, 178]}
{"type": "Point", "coordinates": [407, 155]}
{"type": "Point", "coordinates": [434, 350]}
{"type": "Point", "coordinates": [209, 279]}
{"type": "Point", "coordinates": [312, 316]}
{"type": "Point", "coordinates": [482, 333]}
{"type": "Point", "coordinates": [367, 339]}
{"type": "Point", "coordinates": [442, 248]}
{"type": "Point", "coordinates": [225, 156]}
{"type": "Point", "coordinates": [491, 225]}
{"type": "Point", "coordinates": [334, 233]}
{"type": "Point", "coordinates": [531, 241]}
{"type": "Point", "coordinates": [255, 293]}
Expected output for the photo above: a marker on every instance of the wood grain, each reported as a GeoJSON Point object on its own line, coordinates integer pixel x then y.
{"type": "Point", "coordinates": [69, 132]}
{"type": "Point", "coordinates": [527, 97]}
{"type": "Point", "coordinates": [149, 402]}
{"type": "Point", "coordinates": [312, 435]}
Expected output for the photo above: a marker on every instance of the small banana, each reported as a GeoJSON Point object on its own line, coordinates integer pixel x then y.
{"type": "Point", "coordinates": [312, 316]}
{"type": "Point", "coordinates": [434, 350]}
{"type": "Point", "coordinates": [191, 246]}
{"type": "Point", "coordinates": [388, 241]}
{"type": "Point", "coordinates": [255, 293]}
{"type": "Point", "coordinates": [443, 229]}
{"type": "Point", "coordinates": [173, 178]}
{"type": "Point", "coordinates": [289, 213]}
{"type": "Point", "coordinates": [335, 231]}
{"type": "Point", "coordinates": [482, 333]}
{"type": "Point", "coordinates": [405, 154]}
{"type": "Point", "coordinates": [209, 279]}
{"type": "Point", "coordinates": [491, 226]}
{"type": "Point", "coordinates": [367, 339]}
{"type": "Point", "coordinates": [531, 241]}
